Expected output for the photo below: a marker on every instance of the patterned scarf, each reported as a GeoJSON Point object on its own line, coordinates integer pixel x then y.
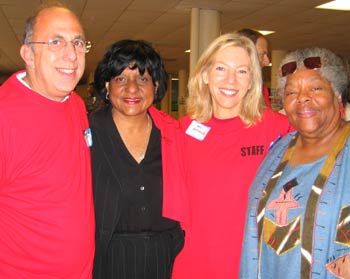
{"type": "Point", "coordinates": [317, 188]}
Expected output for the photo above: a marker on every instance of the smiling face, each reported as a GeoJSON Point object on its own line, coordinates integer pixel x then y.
{"type": "Point", "coordinates": [228, 80]}
{"type": "Point", "coordinates": [131, 93]}
{"type": "Point", "coordinates": [310, 103]}
{"type": "Point", "coordinates": [54, 74]}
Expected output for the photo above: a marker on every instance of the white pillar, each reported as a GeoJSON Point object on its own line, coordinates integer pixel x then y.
{"type": "Point", "coordinates": [194, 38]}
{"type": "Point", "coordinates": [209, 23]}
{"type": "Point", "coordinates": [205, 27]}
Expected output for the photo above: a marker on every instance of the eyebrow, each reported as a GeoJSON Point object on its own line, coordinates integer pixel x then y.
{"type": "Point", "coordinates": [59, 36]}
{"type": "Point", "coordinates": [308, 80]}
{"type": "Point", "coordinates": [224, 63]}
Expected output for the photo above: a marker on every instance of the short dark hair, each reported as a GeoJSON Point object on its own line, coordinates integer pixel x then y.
{"type": "Point", "coordinates": [138, 53]}
{"type": "Point", "coordinates": [251, 34]}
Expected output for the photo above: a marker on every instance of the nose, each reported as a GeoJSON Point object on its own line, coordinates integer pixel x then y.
{"type": "Point", "coordinates": [266, 60]}
{"type": "Point", "coordinates": [70, 51]}
{"type": "Point", "coordinates": [303, 96]}
{"type": "Point", "coordinates": [231, 76]}
{"type": "Point", "coordinates": [131, 86]}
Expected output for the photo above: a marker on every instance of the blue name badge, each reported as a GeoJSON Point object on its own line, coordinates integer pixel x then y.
{"type": "Point", "coordinates": [88, 137]}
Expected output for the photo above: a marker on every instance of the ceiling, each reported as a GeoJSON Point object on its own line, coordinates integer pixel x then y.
{"type": "Point", "coordinates": [166, 24]}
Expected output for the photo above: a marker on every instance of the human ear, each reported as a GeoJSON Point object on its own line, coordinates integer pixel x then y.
{"type": "Point", "coordinates": [205, 77]}
{"type": "Point", "coordinates": [339, 99]}
{"type": "Point", "coordinates": [27, 55]}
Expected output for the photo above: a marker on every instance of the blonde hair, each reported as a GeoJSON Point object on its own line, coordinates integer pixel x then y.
{"type": "Point", "coordinates": [199, 102]}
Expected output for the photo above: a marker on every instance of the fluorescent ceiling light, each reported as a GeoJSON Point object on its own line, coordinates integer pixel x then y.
{"type": "Point", "coordinates": [341, 5]}
{"type": "Point", "coordinates": [266, 32]}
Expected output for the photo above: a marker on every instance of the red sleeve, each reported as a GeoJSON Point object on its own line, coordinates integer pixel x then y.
{"type": "Point", "coordinates": [266, 95]}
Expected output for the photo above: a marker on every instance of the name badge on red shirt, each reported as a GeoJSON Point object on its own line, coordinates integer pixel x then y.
{"type": "Point", "coordinates": [197, 130]}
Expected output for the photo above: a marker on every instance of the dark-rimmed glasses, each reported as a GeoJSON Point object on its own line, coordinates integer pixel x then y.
{"type": "Point", "coordinates": [58, 44]}
{"type": "Point", "coordinates": [309, 63]}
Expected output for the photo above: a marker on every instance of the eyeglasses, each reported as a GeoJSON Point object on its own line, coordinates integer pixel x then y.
{"type": "Point", "coordinates": [54, 45]}
{"type": "Point", "coordinates": [309, 63]}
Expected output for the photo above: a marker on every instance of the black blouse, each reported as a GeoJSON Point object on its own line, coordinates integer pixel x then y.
{"type": "Point", "coordinates": [139, 186]}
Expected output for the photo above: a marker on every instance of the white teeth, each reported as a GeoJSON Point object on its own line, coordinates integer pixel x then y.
{"type": "Point", "coordinates": [229, 92]}
{"type": "Point", "coordinates": [66, 71]}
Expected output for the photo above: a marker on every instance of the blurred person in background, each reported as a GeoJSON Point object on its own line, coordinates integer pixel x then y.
{"type": "Point", "coordinates": [262, 47]}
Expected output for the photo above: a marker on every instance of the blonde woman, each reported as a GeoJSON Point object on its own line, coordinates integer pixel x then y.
{"type": "Point", "coordinates": [228, 131]}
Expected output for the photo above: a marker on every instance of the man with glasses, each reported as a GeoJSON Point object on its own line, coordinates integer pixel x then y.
{"type": "Point", "coordinates": [46, 206]}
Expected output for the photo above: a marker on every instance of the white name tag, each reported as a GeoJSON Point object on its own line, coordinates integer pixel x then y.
{"type": "Point", "coordinates": [197, 130]}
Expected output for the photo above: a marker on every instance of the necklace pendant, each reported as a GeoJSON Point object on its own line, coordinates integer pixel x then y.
{"type": "Point", "coordinates": [141, 157]}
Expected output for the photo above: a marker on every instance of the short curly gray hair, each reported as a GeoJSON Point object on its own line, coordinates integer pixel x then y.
{"type": "Point", "coordinates": [332, 68]}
